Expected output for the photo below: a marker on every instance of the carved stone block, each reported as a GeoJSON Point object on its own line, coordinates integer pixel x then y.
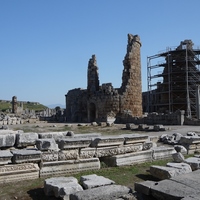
{"type": "Point", "coordinates": [130, 148]}
{"type": "Point", "coordinates": [18, 172]}
{"type": "Point", "coordinates": [7, 139]}
{"type": "Point", "coordinates": [68, 167]}
{"type": "Point", "coordinates": [87, 153]}
{"type": "Point", "coordinates": [49, 155]}
{"type": "Point", "coordinates": [70, 154]}
{"type": "Point", "coordinates": [106, 151]}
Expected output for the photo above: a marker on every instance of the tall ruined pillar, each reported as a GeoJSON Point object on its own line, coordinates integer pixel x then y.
{"type": "Point", "coordinates": [93, 76]}
{"type": "Point", "coordinates": [131, 88]}
{"type": "Point", "coordinates": [14, 104]}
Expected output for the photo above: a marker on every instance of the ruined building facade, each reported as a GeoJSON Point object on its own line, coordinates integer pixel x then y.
{"type": "Point", "coordinates": [173, 80]}
{"type": "Point", "coordinates": [98, 102]}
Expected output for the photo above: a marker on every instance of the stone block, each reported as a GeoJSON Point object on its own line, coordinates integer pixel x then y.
{"type": "Point", "coordinates": [189, 140]}
{"type": "Point", "coordinates": [134, 138]}
{"type": "Point", "coordinates": [68, 167]}
{"type": "Point", "coordinates": [147, 145]}
{"type": "Point", "coordinates": [109, 192]}
{"type": "Point", "coordinates": [87, 135]}
{"type": "Point", "coordinates": [183, 166]}
{"type": "Point", "coordinates": [158, 127]}
{"type": "Point", "coordinates": [26, 156]}
{"type": "Point", "coordinates": [178, 157]}
{"type": "Point", "coordinates": [18, 172]}
{"type": "Point", "coordinates": [144, 187]}
{"type": "Point", "coordinates": [130, 148]}
{"type": "Point", "coordinates": [162, 152]}
{"type": "Point", "coordinates": [128, 159]}
{"type": "Point", "coordinates": [49, 155]}
{"type": "Point", "coordinates": [93, 181]}
{"type": "Point", "coordinates": [72, 143]}
{"type": "Point", "coordinates": [194, 162]}
{"type": "Point", "coordinates": [162, 172]}
{"type": "Point", "coordinates": [5, 157]}
{"type": "Point", "coordinates": [87, 153]}
{"type": "Point", "coordinates": [107, 141]}
{"type": "Point", "coordinates": [46, 144]}
{"type": "Point", "coordinates": [55, 135]}
{"type": "Point", "coordinates": [7, 139]}
{"type": "Point", "coordinates": [70, 154]}
{"type": "Point", "coordinates": [180, 148]}
{"type": "Point", "coordinates": [26, 139]}
{"type": "Point", "coordinates": [61, 187]}
{"type": "Point", "coordinates": [171, 190]}
{"type": "Point", "coordinates": [106, 151]}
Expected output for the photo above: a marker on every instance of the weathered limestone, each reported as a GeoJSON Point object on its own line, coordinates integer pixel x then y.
{"type": "Point", "coordinates": [61, 187]}
{"type": "Point", "coordinates": [74, 143]}
{"type": "Point", "coordinates": [46, 144]}
{"type": "Point", "coordinates": [18, 172]}
{"type": "Point", "coordinates": [144, 187]}
{"type": "Point", "coordinates": [26, 139]}
{"type": "Point", "coordinates": [184, 166]}
{"type": "Point", "coordinates": [130, 148]}
{"type": "Point", "coordinates": [107, 141]}
{"type": "Point", "coordinates": [93, 181]}
{"type": "Point", "coordinates": [106, 151]}
{"type": "Point", "coordinates": [5, 157]}
{"type": "Point", "coordinates": [87, 153]}
{"type": "Point", "coordinates": [7, 140]}
{"type": "Point", "coordinates": [162, 152]}
{"type": "Point", "coordinates": [134, 138]}
{"type": "Point", "coordinates": [70, 154]}
{"type": "Point", "coordinates": [110, 192]}
{"type": "Point", "coordinates": [55, 135]}
{"type": "Point", "coordinates": [129, 158]}
{"type": "Point", "coordinates": [194, 162]}
{"type": "Point", "coordinates": [191, 143]}
{"type": "Point", "coordinates": [26, 156]}
{"type": "Point", "coordinates": [49, 155]}
{"type": "Point", "coordinates": [162, 172]}
{"type": "Point", "coordinates": [178, 157]}
{"type": "Point", "coordinates": [68, 167]}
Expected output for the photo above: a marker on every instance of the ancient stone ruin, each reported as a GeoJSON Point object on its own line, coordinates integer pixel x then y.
{"type": "Point", "coordinates": [99, 102]}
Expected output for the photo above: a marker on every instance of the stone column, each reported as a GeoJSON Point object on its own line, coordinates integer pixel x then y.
{"type": "Point", "coordinates": [14, 104]}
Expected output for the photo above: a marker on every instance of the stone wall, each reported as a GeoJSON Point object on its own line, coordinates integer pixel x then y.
{"type": "Point", "coordinates": [96, 102]}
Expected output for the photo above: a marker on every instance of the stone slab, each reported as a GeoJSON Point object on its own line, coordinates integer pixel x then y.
{"type": "Point", "coordinates": [18, 172]}
{"type": "Point", "coordinates": [7, 139]}
{"type": "Point", "coordinates": [72, 143]}
{"type": "Point", "coordinates": [109, 192]}
{"type": "Point", "coordinates": [134, 138]}
{"type": "Point", "coordinates": [87, 135]}
{"type": "Point", "coordinates": [189, 140]}
{"type": "Point", "coordinates": [144, 187]}
{"type": "Point", "coordinates": [26, 139]}
{"type": "Point", "coordinates": [5, 157]}
{"type": "Point", "coordinates": [46, 144]}
{"type": "Point", "coordinates": [194, 162]}
{"type": "Point", "coordinates": [55, 135]}
{"type": "Point", "coordinates": [162, 172]}
{"type": "Point", "coordinates": [93, 181]}
{"type": "Point", "coordinates": [26, 156]}
{"type": "Point", "coordinates": [61, 187]}
{"type": "Point", "coordinates": [69, 167]}
{"type": "Point", "coordinates": [171, 190]}
{"type": "Point", "coordinates": [107, 141]}
{"type": "Point", "coordinates": [180, 166]}
{"type": "Point", "coordinates": [106, 151]}
{"type": "Point", "coordinates": [162, 152]}
{"type": "Point", "coordinates": [128, 159]}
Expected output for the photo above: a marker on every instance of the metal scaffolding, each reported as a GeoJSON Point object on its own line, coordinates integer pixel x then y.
{"type": "Point", "coordinates": [173, 87]}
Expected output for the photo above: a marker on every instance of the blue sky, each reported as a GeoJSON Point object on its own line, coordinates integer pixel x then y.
{"type": "Point", "coordinates": [45, 45]}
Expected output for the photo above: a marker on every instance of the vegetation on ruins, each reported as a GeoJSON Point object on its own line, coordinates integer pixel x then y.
{"type": "Point", "coordinates": [7, 106]}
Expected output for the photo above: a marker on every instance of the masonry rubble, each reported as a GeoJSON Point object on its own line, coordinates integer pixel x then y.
{"type": "Point", "coordinates": [57, 153]}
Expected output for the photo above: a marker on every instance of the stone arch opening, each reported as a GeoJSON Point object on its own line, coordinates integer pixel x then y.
{"type": "Point", "coordinates": [92, 110]}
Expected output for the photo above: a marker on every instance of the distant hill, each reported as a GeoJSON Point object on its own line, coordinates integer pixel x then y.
{"type": "Point", "coordinates": [55, 105]}
{"type": "Point", "coordinates": [7, 105]}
